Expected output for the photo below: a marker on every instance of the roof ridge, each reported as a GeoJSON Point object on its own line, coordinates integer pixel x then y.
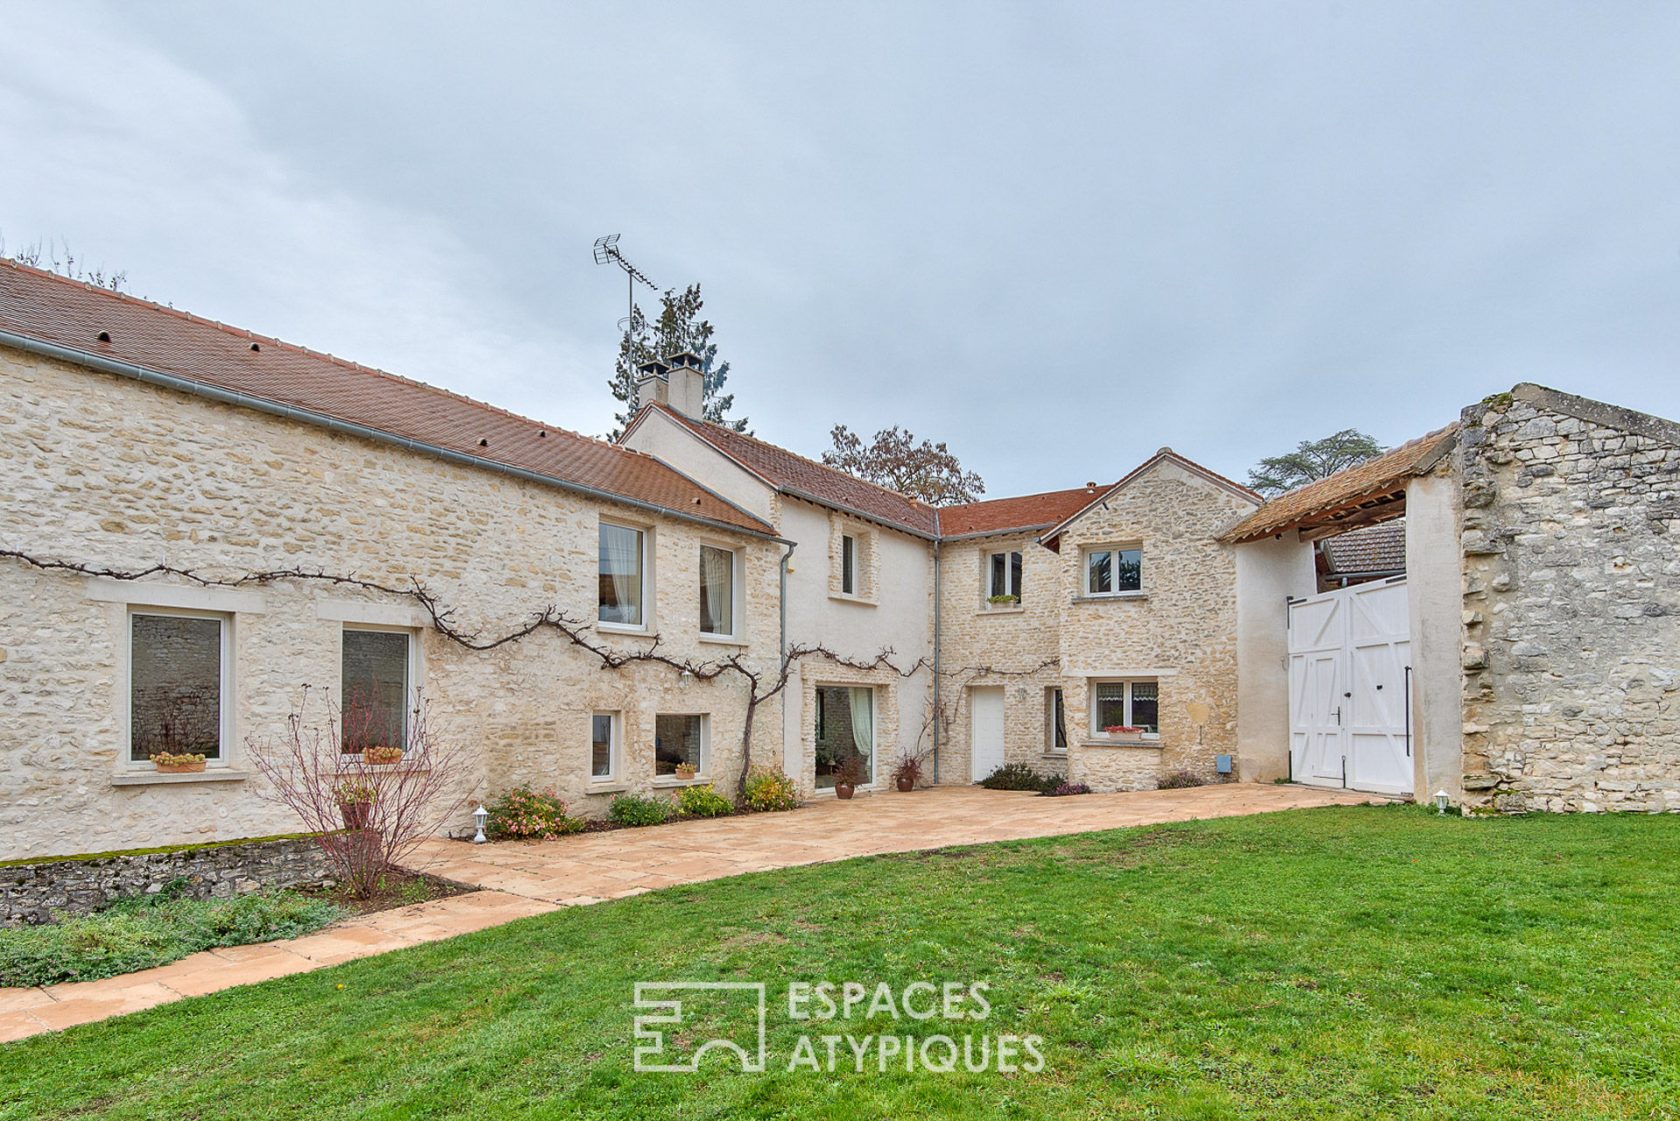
{"type": "Point", "coordinates": [695, 421]}
{"type": "Point", "coordinates": [347, 363]}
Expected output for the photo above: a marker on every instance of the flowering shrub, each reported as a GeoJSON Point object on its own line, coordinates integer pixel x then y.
{"type": "Point", "coordinates": [1019, 776]}
{"type": "Point", "coordinates": [526, 814]}
{"type": "Point", "coordinates": [1177, 780]}
{"type": "Point", "coordinates": [703, 801]}
{"type": "Point", "coordinates": [769, 789]}
{"type": "Point", "coordinates": [633, 809]}
{"type": "Point", "coordinates": [355, 792]}
{"type": "Point", "coordinates": [1064, 789]}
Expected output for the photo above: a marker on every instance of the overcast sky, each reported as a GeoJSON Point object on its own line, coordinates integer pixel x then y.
{"type": "Point", "coordinates": [1057, 237]}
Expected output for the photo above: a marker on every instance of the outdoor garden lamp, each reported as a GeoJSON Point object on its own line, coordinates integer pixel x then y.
{"type": "Point", "coordinates": [480, 817]}
{"type": "Point", "coordinates": [1441, 797]}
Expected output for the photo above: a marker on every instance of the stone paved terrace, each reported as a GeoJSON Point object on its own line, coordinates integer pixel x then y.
{"type": "Point", "coordinates": [523, 879]}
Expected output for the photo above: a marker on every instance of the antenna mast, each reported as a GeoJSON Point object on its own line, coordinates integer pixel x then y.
{"type": "Point", "coordinates": [606, 252]}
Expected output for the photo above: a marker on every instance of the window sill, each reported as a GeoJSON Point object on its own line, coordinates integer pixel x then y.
{"type": "Point", "coordinates": [722, 639]}
{"type": "Point", "coordinates": [1057, 756]}
{"type": "Point", "coordinates": [606, 788]}
{"type": "Point", "coordinates": [1111, 597]}
{"type": "Point", "coordinates": [1155, 744]}
{"type": "Point", "coordinates": [1017, 609]}
{"type": "Point", "coordinates": [620, 628]}
{"type": "Point", "coordinates": [668, 782]}
{"type": "Point", "coordinates": [158, 778]}
{"type": "Point", "coordinates": [861, 601]}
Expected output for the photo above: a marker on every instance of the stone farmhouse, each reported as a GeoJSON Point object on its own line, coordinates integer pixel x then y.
{"type": "Point", "coordinates": [198, 522]}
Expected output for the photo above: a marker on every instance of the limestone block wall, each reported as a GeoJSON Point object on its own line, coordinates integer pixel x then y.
{"type": "Point", "coordinates": [108, 472]}
{"type": "Point", "coordinates": [1181, 629]}
{"type": "Point", "coordinates": [1016, 647]}
{"type": "Point", "coordinates": [1571, 550]}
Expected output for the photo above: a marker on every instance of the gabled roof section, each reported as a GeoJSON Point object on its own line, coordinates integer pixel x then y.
{"type": "Point", "coordinates": [1370, 491]}
{"type": "Point", "coordinates": [1165, 455]}
{"type": "Point", "coordinates": [1013, 515]}
{"type": "Point", "coordinates": [1368, 550]}
{"type": "Point", "coordinates": [799, 477]}
{"type": "Point", "coordinates": [124, 335]}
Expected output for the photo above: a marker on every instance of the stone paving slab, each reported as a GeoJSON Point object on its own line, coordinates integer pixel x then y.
{"type": "Point", "coordinates": [524, 879]}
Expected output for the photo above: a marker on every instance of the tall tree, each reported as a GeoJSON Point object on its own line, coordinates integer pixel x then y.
{"type": "Point", "coordinates": [895, 459]}
{"type": "Point", "coordinates": [678, 328]}
{"type": "Point", "coordinates": [1312, 460]}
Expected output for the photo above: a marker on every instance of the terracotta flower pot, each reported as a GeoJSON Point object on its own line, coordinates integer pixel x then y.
{"type": "Point", "coordinates": [356, 814]}
{"type": "Point", "coordinates": [844, 790]}
{"type": "Point", "coordinates": [192, 768]}
{"type": "Point", "coordinates": [905, 784]}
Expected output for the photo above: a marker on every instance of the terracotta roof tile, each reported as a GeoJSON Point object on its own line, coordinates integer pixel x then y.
{"type": "Point", "coordinates": [1346, 490]}
{"type": "Point", "coordinates": [808, 478]}
{"type": "Point", "coordinates": [49, 308]}
{"type": "Point", "coordinates": [1028, 511]}
{"type": "Point", "coordinates": [1372, 548]}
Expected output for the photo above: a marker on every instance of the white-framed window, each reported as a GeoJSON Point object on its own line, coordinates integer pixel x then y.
{"type": "Point", "coordinates": [376, 687]}
{"type": "Point", "coordinates": [1127, 704]}
{"type": "Point", "coordinates": [605, 739]}
{"type": "Point", "coordinates": [180, 672]}
{"type": "Point", "coordinates": [848, 564]}
{"type": "Point", "coordinates": [719, 579]}
{"type": "Point", "coordinates": [1113, 570]}
{"type": "Point", "coordinates": [1055, 731]}
{"type": "Point", "coordinates": [622, 576]}
{"type": "Point", "coordinates": [1003, 577]}
{"type": "Point", "coordinates": [679, 739]}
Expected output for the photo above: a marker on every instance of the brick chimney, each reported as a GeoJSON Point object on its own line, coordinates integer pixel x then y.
{"type": "Point", "coordinates": [686, 385]}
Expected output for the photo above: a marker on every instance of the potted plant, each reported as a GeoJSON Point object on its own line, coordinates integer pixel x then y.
{"type": "Point", "coordinates": [686, 771]}
{"type": "Point", "coordinates": [355, 802]}
{"type": "Point", "coordinates": [171, 763]}
{"type": "Point", "coordinates": [382, 755]}
{"type": "Point", "coordinates": [1003, 600]}
{"type": "Point", "coordinates": [1123, 729]}
{"type": "Point", "coordinates": [849, 775]}
{"type": "Point", "coordinates": [908, 773]}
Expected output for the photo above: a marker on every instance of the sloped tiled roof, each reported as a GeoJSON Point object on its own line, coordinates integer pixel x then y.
{"type": "Point", "coordinates": [49, 308]}
{"type": "Point", "coordinates": [1346, 491]}
{"type": "Point", "coordinates": [1164, 454]}
{"type": "Point", "coordinates": [806, 478]}
{"type": "Point", "coordinates": [1027, 511]}
{"type": "Point", "coordinates": [1372, 548]}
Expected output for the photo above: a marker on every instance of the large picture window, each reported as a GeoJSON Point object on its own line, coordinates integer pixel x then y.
{"type": "Point", "coordinates": [1003, 577]}
{"type": "Point", "coordinates": [845, 730]}
{"type": "Point", "coordinates": [717, 591]}
{"type": "Point", "coordinates": [374, 689]}
{"type": "Point", "coordinates": [622, 575]}
{"type": "Point", "coordinates": [175, 685]}
{"type": "Point", "coordinates": [678, 740]}
{"type": "Point", "coordinates": [1113, 571]}
{"type": "Point", "coordinates": [1127, 704]}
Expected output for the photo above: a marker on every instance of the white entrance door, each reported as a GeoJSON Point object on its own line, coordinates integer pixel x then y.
{"type": "Point", "coordinates": [985, 731]}
{"type": "Point", "coordinates": [1349, 653]}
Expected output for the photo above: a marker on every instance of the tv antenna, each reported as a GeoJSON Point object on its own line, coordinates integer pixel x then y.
{"type": "Point", "coordinates": [606, 252]}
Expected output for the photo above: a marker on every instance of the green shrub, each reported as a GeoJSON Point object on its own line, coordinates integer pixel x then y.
{"type": "Point", "coordinates": [526, 814]}
{"type": "Point", "coordinates": [147, 931]}
{"type": "Point", "coordinates": [703, 801]}
{"type": "Point", "coordinates": [632, 809]}
{"type": "Point", "coordinates": [1019, 776]}
{"type": "Point", "coordinates": [768, 789]}
{"type": "Point", "coordinates": [1178, 780]}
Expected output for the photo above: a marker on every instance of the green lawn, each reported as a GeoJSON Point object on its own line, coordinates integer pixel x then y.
{"type": "Point", "coordinates": [1358, 962]}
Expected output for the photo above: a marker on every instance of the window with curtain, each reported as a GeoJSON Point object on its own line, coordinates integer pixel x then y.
{"type": "Point", "coordinates": [621, 576]}
{"type": "Point", "coordinates": [374, 690]}
{"type": "Point", "coordinates": [717, 591]}
{"type": "Point", "coordinates": [679, 739]}
{"type": "Point", "coordinates": [1113, 571]}
{"type": "Point", "coordinates": [175, 685]}
{"type": "Point", "coordinates": [845, 727]}
{"type": "Point", "coordinates": [1127, 704]}
{"type": "Point", "coordinates": [1056, 734]}
{"type": "Point", "coordinates": [603, 747]}
{"type": "Point", "coordinates": [1003, 575]}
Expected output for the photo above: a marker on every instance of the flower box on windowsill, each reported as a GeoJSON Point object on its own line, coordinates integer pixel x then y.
{"type": "Point", "coordinates": [660, 782]}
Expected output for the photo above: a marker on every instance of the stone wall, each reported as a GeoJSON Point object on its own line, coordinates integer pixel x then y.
{"type": "Point", "coordinates": [104, 471]}
{"type": "Point", "coordinates": [37, 891]}
{"type": "Point", "coordinates": [1571, 549]}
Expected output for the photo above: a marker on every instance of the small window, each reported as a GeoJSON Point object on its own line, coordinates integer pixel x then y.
{"type": "Point", "coordinates": [1127, 704]}
{"type": "Point", "coordinates": [1113, 571]}
{"type": "Point", "coordinates": [374, 690]}
{"type": "Point", "coordinates": [1003, 578]}
{"type": "Point", "coordinates": [603, 747]}
{"type": "Point", "coordinates": [175, 685]}
{"type": "Point", "coordinates": [679, 740]}
{"type": "Point", "coordinates": [848, 564]}
{"type": "Point", "coordinates": [717, 591]}
{"type": "Point", "coordinates": [622, 576]}
{"type": "Point", "coordinates": [1056, 735]}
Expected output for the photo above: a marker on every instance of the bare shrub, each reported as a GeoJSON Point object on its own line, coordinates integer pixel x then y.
{"type": "Point", "coordinates": [367, 817]}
